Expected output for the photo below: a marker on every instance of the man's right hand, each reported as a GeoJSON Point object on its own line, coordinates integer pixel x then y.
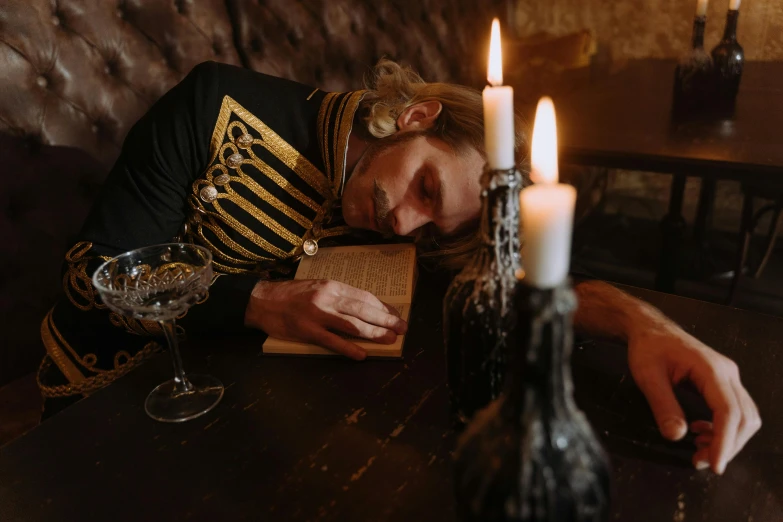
{"type": "Point", "coordinates": [311, 311]}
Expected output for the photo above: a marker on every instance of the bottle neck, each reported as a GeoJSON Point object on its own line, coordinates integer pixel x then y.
{"type": "Point", "coordinates": [500, 216]}
{"type": "Point", "coordinates": [699, 23]}
{"type": "Point", "coordinates": [539, 377]}
{"type": "Point", "coordinates": [730, 33]}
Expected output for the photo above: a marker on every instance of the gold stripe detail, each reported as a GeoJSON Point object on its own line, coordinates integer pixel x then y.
{"type": "Point", "coordinates": [88, 360]}
{"type": "Point", "coordinates": [335, 141]}
{"type": "Point", "coordinates": [68, 369]}
{"type": "Point", "coordinates": [323, 129]}
{"type": "Point", "coordinates": [282, 182]}
{"type": "Point", "coordinates": [336, 231]}
{"type": "Point", "coordinates": [220, 127]}
{"type": "Point", "coordinates": [245, 231]}
{"type": "Point", "coordinates": [313, 93]}
{"type": "Point", "coordinates": [91, 384]}
{"type": "Point", "coordinates": [345, 125]}
{"type": "Point", "coordinates": [229, 242]}
{"type": "Point", "coordinates": [292, 158]}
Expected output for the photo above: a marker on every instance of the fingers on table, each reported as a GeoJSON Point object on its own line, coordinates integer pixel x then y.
{"type": "Point", "coordinates": [750, 421]}
{"type": "Point", "coordinates": [735, 418]}
{"type": "Point", "coordinates": [657, 387]}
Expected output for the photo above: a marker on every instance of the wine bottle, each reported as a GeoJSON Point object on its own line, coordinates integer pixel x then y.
{"type": "Point", "coordinates": [531, 456]}
{"type": "Point", "coordinates": [693, 77]}
{"type": "Point", "coordinates": [478, 307]}
{"type": "Point", "coordinates": [729, 60]}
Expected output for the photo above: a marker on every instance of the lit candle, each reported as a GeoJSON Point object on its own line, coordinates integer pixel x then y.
{"type": "Point", "coordinates": [547, 208]}
{"type": "Point", "coordinates": [498, 109]}
{"type": "Point", "coordinates": [701, 8]}
{"type": "Point", "coordinates": [734, 5]}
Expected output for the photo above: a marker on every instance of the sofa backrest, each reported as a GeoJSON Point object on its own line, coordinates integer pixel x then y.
{"type": "Point", "coordinates": [78, 73]}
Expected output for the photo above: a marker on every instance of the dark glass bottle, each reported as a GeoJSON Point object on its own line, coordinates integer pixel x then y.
{"type": "Point", "coordinates": [693, 77]}
{"type": "Point", "coordinates": [531, 456]}
{"type": "Point", "coordinates": [729, 60]}
{"type": "Point", "coordinates": [478, 307]}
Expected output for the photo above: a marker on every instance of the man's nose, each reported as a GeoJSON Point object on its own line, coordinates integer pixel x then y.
{"type": "Point", "coordinates": [407, 219]}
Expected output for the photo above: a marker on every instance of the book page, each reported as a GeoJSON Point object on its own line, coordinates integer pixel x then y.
{"type": "Point", "coordinates": [386, 271]}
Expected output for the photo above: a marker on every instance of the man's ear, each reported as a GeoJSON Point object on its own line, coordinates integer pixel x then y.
{"type": "Point", "coordinates": [420, 116]}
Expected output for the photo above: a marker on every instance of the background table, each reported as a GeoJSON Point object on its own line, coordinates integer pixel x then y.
{"type": "Point", "coordinates": [624, 121]}
{"type": "Point", "coordinates": [328, 439]}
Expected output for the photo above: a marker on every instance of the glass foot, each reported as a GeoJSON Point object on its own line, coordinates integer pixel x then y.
{"type": "Point", "coordinates": [166, 404]}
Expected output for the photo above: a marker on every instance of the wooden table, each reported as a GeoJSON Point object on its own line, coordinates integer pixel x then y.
{"type": "Point", "coordinates": [330, 440]}
{"type": "Point", "coordinates": [624, 121]}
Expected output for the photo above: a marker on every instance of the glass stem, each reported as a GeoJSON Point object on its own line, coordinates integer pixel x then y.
{"type": "Point", "coordinates": [180, 379]}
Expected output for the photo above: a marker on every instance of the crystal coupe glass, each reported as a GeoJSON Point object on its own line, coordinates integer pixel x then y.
{"type": "Point", "coordinates": [160, 283]}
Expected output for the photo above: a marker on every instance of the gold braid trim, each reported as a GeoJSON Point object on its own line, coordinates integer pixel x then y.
{"type": "Point", "coordinates": [94, 383]}
{"type": "Point", "coordinates": [76, 283]}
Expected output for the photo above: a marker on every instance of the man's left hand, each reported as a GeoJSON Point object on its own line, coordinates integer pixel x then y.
{"type": "Point", "coordinates": [662, 355]}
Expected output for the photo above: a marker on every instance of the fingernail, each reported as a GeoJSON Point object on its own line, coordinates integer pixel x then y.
{"type": "Point", "coordinates": [672, 429]}
{"type": "Point", "coordinates": [702, 465]}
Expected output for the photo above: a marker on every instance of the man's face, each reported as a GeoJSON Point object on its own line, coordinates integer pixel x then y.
{"type": "Point", "coordinates": [402, 186]}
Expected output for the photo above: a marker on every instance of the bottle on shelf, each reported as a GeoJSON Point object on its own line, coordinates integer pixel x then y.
{"type": "Point", "coordinates": [729, 60]}
{"type": "Point", "coordinates": [694, 76]}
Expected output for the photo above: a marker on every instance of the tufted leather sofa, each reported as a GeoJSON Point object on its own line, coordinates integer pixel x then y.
{"type": "Point", "coordinates": [76, 74]}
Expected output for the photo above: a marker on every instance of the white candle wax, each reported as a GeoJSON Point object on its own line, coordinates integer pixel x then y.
{"type": "Point", "coordinates": [701, 8]}
{"type": "Point", "coordinates": [499, 126]}
{"type": "Point", "coordinates": [547, 213]}
{"type": "Point", "coordinates": [734, 5]}
{"type": "Point", "coordinates": [498, 108]}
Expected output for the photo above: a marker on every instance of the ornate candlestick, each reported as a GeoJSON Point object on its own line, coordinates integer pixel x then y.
{"type": "Point", "coordinates": [531, 456]}
{"type": "Point", "coordinates": [477, 310]}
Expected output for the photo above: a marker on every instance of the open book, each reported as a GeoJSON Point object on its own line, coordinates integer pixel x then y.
{"type": "Point", "coordinates": [387, 271]}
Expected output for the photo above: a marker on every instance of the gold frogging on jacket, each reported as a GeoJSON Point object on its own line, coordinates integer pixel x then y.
{"type": "Point", "coordinates": [231, 190]}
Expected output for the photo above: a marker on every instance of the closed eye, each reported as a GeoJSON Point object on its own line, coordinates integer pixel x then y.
{"type": "Point", "coordinates": [426, 189]}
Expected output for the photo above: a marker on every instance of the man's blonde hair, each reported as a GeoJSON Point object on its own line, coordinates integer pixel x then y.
{"type": "Point", "coordinates": [392, 89]}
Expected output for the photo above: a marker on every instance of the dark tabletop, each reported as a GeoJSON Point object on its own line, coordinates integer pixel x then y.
{"type": "Point", "coordinates": [327, 439]}
{"type": "Point", "coordinates": [624, 121]}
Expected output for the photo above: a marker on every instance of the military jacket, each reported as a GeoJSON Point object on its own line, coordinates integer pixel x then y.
{"type": "Point", "coordinates": [247, 165]}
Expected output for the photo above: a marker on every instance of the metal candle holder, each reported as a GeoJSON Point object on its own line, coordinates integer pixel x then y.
{"type": "Point", "coordinates": [531, 455]}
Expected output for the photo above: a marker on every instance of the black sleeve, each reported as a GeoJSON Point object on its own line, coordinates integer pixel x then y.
{"type": "Point", "coordinates": [142, 202]}
{"type": "Point", "coordinates": [144, 199]}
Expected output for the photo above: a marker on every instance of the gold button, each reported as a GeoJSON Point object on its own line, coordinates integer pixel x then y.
{"type": "Point", "coordinates": [234, 160]}
{"type": "Point", "coordinates": [245, 141]}
{"type": "Point", "coordinates": [221, 179]}
{"type": "Point", "coordinates": [208, 194]}
{"type": "Point", "coordinates": [310, 247]}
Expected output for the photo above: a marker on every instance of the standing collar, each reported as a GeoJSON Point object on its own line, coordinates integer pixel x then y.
{"type": "Point", "coordinates": [335, 121]}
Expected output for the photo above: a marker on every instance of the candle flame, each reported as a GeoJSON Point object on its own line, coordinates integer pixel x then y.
{"type": "Point", "coordinates": [495, 68]}
{"type": "Point", "coordinates": [543, 154]}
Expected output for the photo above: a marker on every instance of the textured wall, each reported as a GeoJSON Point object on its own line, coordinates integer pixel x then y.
{"type": "Point", "coordinates": [654, 28]}
{"type": "Point", "coordinates": [660, 29]}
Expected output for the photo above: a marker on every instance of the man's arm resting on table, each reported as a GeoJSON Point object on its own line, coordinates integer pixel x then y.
{"type": "Point", "coordinates": [660, 355]}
